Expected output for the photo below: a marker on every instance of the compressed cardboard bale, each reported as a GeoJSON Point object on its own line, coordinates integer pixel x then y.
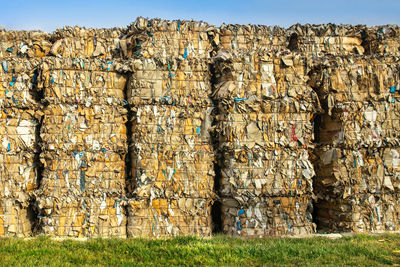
{"type": "Point", "coordinates": [72, 42]}
{"type": "Point", "coordinates": [24, 44]}
{"type": "Point", "coordinates": [17, 175]}
{"type": "Point", "coordinates": [359, 213]}
{"type": "Point", "coordinates": [263, 217]}
{"type": "Point", "coordinates": [169, 217]}
{"type": "Point", "coordinates": [184, 82]}
{"type": "Point", "coordinates": [355, 79]}
{"type": "Point", "coordinates": [171, 124]}
{"type": "Point", "coordinates": [360, 124]}
{"type": "Point", "coordinates": [269, 130]}
{"type": "Point", "coordinates": [346, 172]}
{"type": "Point", "coordinates": [318, 40]}
{"type": "Point", "coordinates": [80, 128]}
{"type": "Point", "coordinates": [279, 172]}
{"type": "Point", "coordinates": [151, 38]}
{"type": "Point", "coordinates": [15, 219]}
{"type": "Point", "coordinates": [383, 40]}
{"type": "Point", "coordinates": [172, 152]}
{"type": "Point", "coordinates": [17, 130]}
{"type": "Point", "coordinates": [166, 172]}
{"type": "Point", "coordinates": [82, 217]}
{"type": "Point", "coordinates": [262, 75]}
{"type": "Point", "coordinates": [79, 173]}
{"type": "Point", "coordinates": [233, 37]}
{"type": "Point", "coordinates": [17, 80]}
{"type": "Point", "coordinates": [82, 81]}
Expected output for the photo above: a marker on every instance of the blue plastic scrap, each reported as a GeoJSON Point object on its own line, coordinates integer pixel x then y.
{"type": "Point", "coordinates": [185, 55]}
{"type": "Point", "coordinates": [240, 212]}
{"type": "Point", "coordinates": [393, 89]}
{"type": "Point", "coordinates": [82, 181]}
{"type": "Point", "coordinates": [4, 65]}
{"type": "Point", "coordinates": [239, 226]}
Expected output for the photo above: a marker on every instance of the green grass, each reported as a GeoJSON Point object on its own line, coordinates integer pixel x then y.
{"type": "Point", "coordinates": [361, 250]}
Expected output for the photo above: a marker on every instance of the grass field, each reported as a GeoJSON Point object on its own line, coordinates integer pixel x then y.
{"type": "Point", "coordinates": [217, 251]}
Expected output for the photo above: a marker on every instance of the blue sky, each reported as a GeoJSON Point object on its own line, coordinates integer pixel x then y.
{"type": "Point", "coordinates": [48, 15]}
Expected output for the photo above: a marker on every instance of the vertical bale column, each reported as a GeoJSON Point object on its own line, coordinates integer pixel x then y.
{"type": "Point", "coordinates": [172, 155]}
{"type": "Point", "coordinates": [20, 52]}
{"type": "Point", "coordinates": [265, 129]}
{"type": "Point", "coordinates": [357, 160]}
{"type": "Point", "coordinates": [84, 148]}
{"type": "Point", "coordinates": [172, 160]}
{"type": "Point", "coordinates": [18, 146]}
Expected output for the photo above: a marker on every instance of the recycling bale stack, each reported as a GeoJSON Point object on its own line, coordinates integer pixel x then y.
{"type": "Point", "coordinates": [83, 136]}
{"type": "Point", "coordinates": [265, 132]}
{"type": "Point", "coordinates": [72, 42]}
{"type": "Point", "coordinates": [18, 146]}
{"type": "Point", "coordinates": [319, 40]}
{"type": "Point", "coordinates": [171, 151]}
{"type": "Point", "coordinates": [358, 155]}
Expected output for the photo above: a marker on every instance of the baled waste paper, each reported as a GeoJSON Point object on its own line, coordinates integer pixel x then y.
{"type": "Point", "coordinates": [180, 82]}
{"type": "Point", "coordinates": [268, 216]}
{"type": "Point", "coordinates": [24, 44]}
{"type": "Point", "coordinates": [234, 37]}
{"type": "Point", "coordinates": [68, 216]}
{"type": "Point", "coordinates": [161, 217]}
{"type": "Point", "coordinates": [319, 40]}
{"type": "Point", "coordinates": [79, 42]}
{"type": "Point", "coordinates": [383, 40]}
{"type": "Point", "coordinates": [157, 38]}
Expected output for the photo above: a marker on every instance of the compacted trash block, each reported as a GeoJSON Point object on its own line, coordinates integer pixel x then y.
{"type": "Point", "coordinates": [163, 217]}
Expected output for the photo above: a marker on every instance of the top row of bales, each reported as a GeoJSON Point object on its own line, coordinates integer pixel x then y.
{"type": "Point", "coordinates": [197, 39]}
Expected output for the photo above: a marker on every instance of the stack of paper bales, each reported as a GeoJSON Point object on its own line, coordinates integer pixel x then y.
{"type": "Point", "coordinates": [265, 132]}
{"type": "Point", "coordinates": [84, 145]}
{"type": "Point", "coordinates": [172, 154]}
{"type": "Point", "coordinates": [358, 155]}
